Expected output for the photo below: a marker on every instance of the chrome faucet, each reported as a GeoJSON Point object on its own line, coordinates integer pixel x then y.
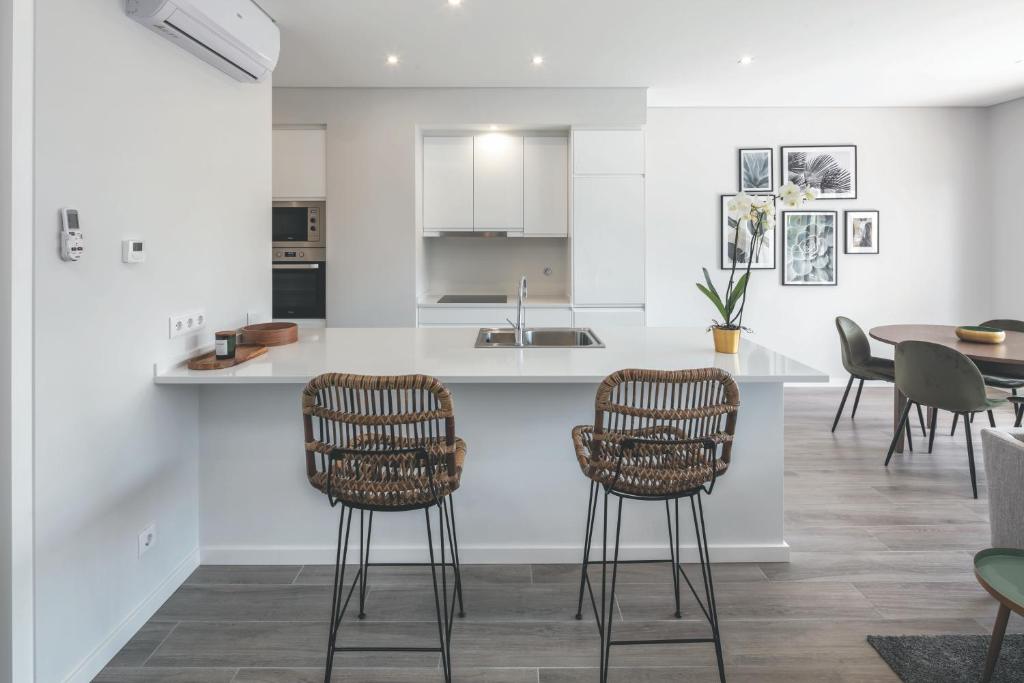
{"type": "Point", "coordinates": [520, 324]}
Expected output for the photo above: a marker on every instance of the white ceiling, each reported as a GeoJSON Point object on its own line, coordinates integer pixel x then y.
{"type": "Point", "coordinates": [824, 53]}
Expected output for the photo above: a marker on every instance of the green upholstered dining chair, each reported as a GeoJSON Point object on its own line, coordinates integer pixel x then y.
{"type": "Point", "coordinates": [1006, 376]}
{"type": "Point", "coordinates": [858, 361]}
{"type": "Point", "coordinates": [936, 376]}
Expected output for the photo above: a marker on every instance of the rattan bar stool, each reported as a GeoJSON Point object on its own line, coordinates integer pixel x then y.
{"type": "Point", "coordinates": [386, 444]}
{"type": "Point", "coordinates": [657, 436]}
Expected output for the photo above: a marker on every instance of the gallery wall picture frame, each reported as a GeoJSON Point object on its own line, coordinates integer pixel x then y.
{"type": "Point", "coordinates": [810, 248]}
{"type": "Point", "coordinates": [730, 229]}
{"type": "Point", "coordinates": [756, 170]}
{"type": "Point", "coordinates": [863, 231]}
{"type": "Point", "coordinates": [831, 169]}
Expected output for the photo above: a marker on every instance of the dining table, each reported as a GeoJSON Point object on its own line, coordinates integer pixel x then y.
{"type": "Point", "coordinates": [1008, 352]}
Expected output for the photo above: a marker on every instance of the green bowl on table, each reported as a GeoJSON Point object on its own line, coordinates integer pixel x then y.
{"type": "Point", "coordinates": [981, 334]}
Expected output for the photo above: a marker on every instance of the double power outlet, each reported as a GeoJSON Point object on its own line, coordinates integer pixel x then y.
{"type": "Point", "coordinates": [186, 323]}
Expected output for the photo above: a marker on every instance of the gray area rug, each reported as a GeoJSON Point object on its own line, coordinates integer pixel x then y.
{"type": "Point", "coordinates": [949, 659]}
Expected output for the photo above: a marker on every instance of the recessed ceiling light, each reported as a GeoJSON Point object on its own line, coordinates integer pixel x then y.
{"type": "Point", "coordinates": [538, 60]}
{"type": "Point", "coordinates": [454, 3]}
{"type": "Point", "coordinates": [493, 127]}
{"type": "Point", "coordinates": [392, 59]}
{"type": "Point", "coordinates": [746, 60]}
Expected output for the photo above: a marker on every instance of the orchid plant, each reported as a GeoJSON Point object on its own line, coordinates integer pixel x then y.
{"type": "Point", "coordinates": [757, 211]}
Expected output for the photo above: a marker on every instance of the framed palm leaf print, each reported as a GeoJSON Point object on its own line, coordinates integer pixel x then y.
{"type": "Point", "coordinates": [832, 170]}
{"type": "Point", "coordinates": [756, 168]}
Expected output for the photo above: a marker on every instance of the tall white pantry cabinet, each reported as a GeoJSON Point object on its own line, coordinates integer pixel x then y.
{"type": "Point", "coordinates": [609, 243]}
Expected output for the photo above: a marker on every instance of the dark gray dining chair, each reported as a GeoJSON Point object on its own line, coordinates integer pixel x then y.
{"type": "Point", "coordinates": [858, 361]}
{"type": "Point", "coordinates": [936, 376]}
{"type": "Point", "coordinates": [1005, 376]}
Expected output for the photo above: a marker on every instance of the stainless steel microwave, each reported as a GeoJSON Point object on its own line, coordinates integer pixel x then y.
{"type": "Point", "coordinates": [299, 224]}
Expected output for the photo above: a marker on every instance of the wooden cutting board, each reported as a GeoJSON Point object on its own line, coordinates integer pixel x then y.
{"type": "Point", "coordinates": [243, 352]}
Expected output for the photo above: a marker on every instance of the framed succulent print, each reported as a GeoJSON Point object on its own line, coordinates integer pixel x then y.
{"type": "Point", "coordinates": [862, 232]}
{"type": "Point", "coordinates": [809, 247]}
{"type": "Point", "coordinates": [756, 169]}
{"type": "Point", "coordinates": [831, 170]}
{"type": "Point", "coordinates": [737, 238]}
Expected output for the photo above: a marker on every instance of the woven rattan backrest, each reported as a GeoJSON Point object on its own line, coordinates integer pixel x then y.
{"type": "Point", "coordinates": [375, 413]}
{"type": "Point", "coordinates": [697, 404]}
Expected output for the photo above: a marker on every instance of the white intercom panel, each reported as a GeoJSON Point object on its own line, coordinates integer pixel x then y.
{"type": "Point", "coordinates": [71, 242]}
{"type": "Point", "coordinates": [133, 251]}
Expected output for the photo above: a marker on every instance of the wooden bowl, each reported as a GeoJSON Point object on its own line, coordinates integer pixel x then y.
{"type": "Point", "coordinates": [271, 334]}
{"type": "Point", "coordinates": [981, 334]}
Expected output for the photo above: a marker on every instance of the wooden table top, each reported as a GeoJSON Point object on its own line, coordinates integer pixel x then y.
{"type": "Point", "coordinates": [1010, 351]}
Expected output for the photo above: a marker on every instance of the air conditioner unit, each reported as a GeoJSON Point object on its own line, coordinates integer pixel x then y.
{"type": "Point", "coordinates": [236, 36]}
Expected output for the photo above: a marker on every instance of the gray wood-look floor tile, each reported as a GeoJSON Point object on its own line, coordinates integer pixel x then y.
{"type": "Point", "coordinates": [165, 675]}
{"type": "Point", "coordinates": [476, 574]}
{"type": "Point", "coordinates": [243, 574]}
{"type": "Point", "coordinates": [383, 675]}
{"type": "Point", "coordinates": [875, 551]}
{"type": "Point", "coordinates": [143, 644]}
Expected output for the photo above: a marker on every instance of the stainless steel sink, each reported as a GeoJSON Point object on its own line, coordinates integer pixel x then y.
{"type": "Point", "coordinates": [539, 337]}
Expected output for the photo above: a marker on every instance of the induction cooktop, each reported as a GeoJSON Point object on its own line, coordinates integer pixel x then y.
{"type": "Point", "coordinates": [473, 299]}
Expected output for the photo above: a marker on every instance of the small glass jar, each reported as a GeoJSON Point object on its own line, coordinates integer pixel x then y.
{"type": "Point", "coordinates": [224, 345]}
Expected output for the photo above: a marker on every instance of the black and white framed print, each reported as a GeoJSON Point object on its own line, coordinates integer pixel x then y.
{"type": "Point", "coordinates": [756, 169]}
{"type": "Point", "coordinates": [831, 170]}
{"type": "Point", "coordinates": [809, 247]}
{"type": "Point", "coordinates": [737, 242]}
{"type": "Point", "coordinates": [862, 232]}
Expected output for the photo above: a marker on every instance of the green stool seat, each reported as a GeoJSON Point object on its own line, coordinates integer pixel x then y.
{"type": "Point", "coordinates": [1000, 571]}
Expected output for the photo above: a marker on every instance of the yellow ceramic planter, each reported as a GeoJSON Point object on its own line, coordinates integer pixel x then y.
{"type": "Point", "coordinates": [726, 341]}
{"type": "Point", "coordinates": [981, 334]}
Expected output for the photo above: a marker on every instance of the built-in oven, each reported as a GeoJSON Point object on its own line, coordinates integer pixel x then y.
{"type": "Point", "coordinates": [300, 283]}
{"type": "Point", "coordinates": [299, 224]}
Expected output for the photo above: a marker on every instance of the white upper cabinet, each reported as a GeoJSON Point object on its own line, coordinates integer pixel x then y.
{"type": "Point", "coordinates": [546, 186]}
{"type": "Point", "coordinates": [608, 240]}
{"type": "Point", "coordinates": [448, 183]}
{"type": "Point", "coordinates": [300, 163]}
{"type": "Point", "coordinates": [498, 182]}
{"type": "Point", "coordinates": [608, 152]}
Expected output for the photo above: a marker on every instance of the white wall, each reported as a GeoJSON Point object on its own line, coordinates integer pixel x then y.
{"type": "Point", "coordinates": [1006, 148]}
{"type": "Point", "coordinates": [146, 141]}
{"type": "Point", "coordinates": [16, 63]}
{"type": "Point", "coordinates": [372, 250]}
{"type": "Point", "coordinates": [925, 170]}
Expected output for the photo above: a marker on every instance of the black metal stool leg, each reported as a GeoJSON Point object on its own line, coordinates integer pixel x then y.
{"type": "Point", "coordinates": [842, 404]}
{"type": "Point", "coordinates": [608, 614]}
{"type": "Point", "coordinates": [704, 551]}
{"type": "Point", "coordinates": [675, 558]}
{"type": "Point", "coordinates": [588, 536]}
{"type": "Point", "coordinates": [441, 610]}
{"type": "Point", "coordinates": [339, 583]}
{"type": "Point", "coordinates": [454, 545]}
{"type": "Point", "coordinates": [364, 561]}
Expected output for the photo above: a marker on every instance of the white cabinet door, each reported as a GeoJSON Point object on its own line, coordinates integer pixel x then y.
{"type": "Point", "coordinates": [608, 152]}
{"type": "Point", "coordinates": [546, 186]}
{"type": "Point", "coordinates": [448, 183]}
{"type": "Point", "coordinates": [608, 240]}
{"type": "Point", "coordinates": [300, 163]}
{"type": "Point", "coordinates": [498, 182]}
{"type": "Point", "coordinates": [602, 318]}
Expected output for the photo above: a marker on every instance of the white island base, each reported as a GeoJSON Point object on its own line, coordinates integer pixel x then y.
{"type": "Point", "coordinates": [523, 498]}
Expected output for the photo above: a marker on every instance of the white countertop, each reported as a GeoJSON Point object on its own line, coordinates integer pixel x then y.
{"type": "Point", "coordinates": [533, 301]}
{"type": "Point", "coordinates": [448, 354]}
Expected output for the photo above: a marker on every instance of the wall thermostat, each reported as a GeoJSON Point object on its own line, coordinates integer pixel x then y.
{"type": "Point", "coordinates": [132, 251]}
{"type": "Point", "coordinates": [71, 242]}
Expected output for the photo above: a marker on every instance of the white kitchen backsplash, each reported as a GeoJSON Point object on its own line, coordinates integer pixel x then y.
{"type": "Point", "coordinates": [485, 265]}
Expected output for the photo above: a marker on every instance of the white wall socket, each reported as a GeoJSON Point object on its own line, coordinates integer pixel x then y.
{"type": "Point", "coordinates": [147, 539]}
{"type": "Point", "coordinates": [186, 323]}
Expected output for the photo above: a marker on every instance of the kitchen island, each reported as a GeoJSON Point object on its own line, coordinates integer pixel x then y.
{"type": "Point", "coordinates": [515, 409]}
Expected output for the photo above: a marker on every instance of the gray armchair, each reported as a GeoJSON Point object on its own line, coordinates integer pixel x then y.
{"type": "Point", "coordinates": [1004, 470]}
